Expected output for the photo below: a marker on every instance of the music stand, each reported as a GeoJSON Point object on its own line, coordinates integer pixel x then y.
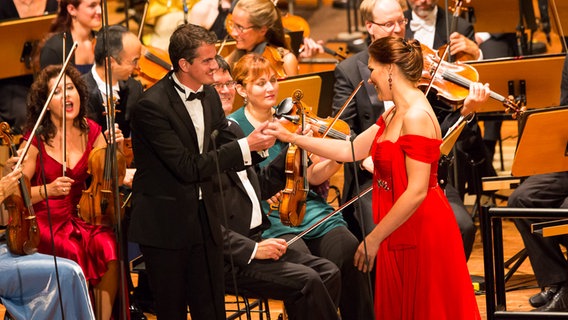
{"type": "Point", "coordinates": [543, 142]}
{"type": "Point", "coordinates": [19, 38]}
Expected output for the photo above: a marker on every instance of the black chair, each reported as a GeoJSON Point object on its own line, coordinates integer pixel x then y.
{"type": "Point", "coordinates": [245, 303]}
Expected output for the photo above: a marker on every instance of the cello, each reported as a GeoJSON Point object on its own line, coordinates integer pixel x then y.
{"type": "Point", "coordinates": [23, 230]}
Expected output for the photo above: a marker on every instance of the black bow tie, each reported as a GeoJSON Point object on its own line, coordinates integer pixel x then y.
{"type": "Point", "coordinates": [196, 95]}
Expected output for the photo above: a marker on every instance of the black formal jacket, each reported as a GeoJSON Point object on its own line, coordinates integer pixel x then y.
{"type": "Point", "coordinates": [238, 239]}
{"type": "Point", "coordinates": [130, 91]}
{"type": "Point", "coordinates": [171, 170]}
{"type": "Point", "coordinates": [440, 38]}
{"type": "Point", "coordinates": [361, 113]}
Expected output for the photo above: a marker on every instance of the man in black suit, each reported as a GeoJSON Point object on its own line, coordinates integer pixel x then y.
{"type": "Point", "coordinates": [174, 217]}
{"type": "Point", "coordinates": [385, 18]}
{"type": "Point", "coordinates": [123, 50]}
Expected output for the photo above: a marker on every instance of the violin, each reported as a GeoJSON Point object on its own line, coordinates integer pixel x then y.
{"type": "Point", "coordinates": [153, 65]}
{"type": "Point", "coordinates": [96, 205]}
{"type": "Point", "coordinates": [451, 81]}
{"type": "Point", "coordinates": [339, 130]}
{"type": "Point", "coordinates": [271, 54]}
{"type": "Point", "coordinates": [292, 205]}
{"type": "Point", "coordinates": [23, 230]}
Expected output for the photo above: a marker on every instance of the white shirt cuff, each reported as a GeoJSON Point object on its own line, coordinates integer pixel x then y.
{"type": "Point", "coordinates": [253, 252]}
{"type": "Point", "coordinates": [245, 150]}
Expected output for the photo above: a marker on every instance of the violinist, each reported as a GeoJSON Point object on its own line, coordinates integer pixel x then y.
{"type": "Point", "coordinates": [78, 20]}
{"type": "Point", "coordinates": [385, 18]}
{"type": "Point", "coordinates": [28, 284]}
{"type": "Point", "coordinates": [427, 24]}
{"type": "Point", "coordinates": [308, 285]}
{"type": "Point", "coordinates": [416, 241]}
{"type": "Point", "coordinates": [256, 83]}
{"type": "Point", "coordinates": [92, 247]}
{"type": "Point", "coordinates": [124, 50]}
{"type": "Point", "coordinates": [256, 26]}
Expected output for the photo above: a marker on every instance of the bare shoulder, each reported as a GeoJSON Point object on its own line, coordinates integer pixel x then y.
{"type": "Point", "coordinates": [421, 120]}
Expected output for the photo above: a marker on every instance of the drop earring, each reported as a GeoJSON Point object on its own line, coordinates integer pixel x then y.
{"type": "Point", "coordinates": [390, 81]}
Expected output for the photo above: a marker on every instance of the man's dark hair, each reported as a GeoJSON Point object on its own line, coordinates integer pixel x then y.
{"type": "Point", "coordinates": [223, 65]}
{"type": "Point", "coordinates": [114, 35]}
{"type": "Point", "coordinates": [185, 41]}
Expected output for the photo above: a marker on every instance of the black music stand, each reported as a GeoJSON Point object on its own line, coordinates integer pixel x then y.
{"type": "Point", "coordinates": [19, 39]}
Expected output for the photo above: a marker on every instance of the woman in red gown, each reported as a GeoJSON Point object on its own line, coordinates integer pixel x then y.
{"type": "Point", "coordinates": [421, 270]}
{"type": "Point", "coordinates": [55, 198]}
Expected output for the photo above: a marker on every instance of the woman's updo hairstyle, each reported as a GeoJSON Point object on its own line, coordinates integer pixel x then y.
{"type": "Point", "coordinates": [406, 54]}
{"type": "Point", "coordinates": [264, 13]}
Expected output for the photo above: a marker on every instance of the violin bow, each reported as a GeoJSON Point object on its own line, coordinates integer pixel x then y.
{"type": "Point", "coordinates": [343, 107]}
{"type": "Point", "coordinates": [47, 102]}
{"type": "Point", "coordinates": [329, 215]}
{"type": "Point", "coordinates": [64, 117]}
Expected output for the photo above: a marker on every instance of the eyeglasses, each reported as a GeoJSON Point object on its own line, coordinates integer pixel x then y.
{"type": "Point", "coordinates": [229, 84]}
{"type": "Point", "coordinates": [389, 25]}
{"type": "Point", "coordinates": [237, 27]}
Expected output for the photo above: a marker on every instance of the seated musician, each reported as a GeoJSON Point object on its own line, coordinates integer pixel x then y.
{"type": "Point", "coordinates": [78, 20]}
{"type": "Point", "coordinates": [15, 90]}
{"type": "Point", "coordinates": [308, 285]}
{"type": "Point", "coordinates": [256, 83]}
{"type": "Point", "coordinates": [546, 255]}
{"type": "Point", "coordinates": [256, 26]}
{"type": "Point", "coordinates": [386, 18]}
{"type": "Point", "coordinates": [124, 49]}
{"type": "Point", "coordinates": [28, 283]}
{"type": "Point", "coordinates": [57, 182]}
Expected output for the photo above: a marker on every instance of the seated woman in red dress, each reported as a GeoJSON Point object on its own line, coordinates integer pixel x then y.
{"type": "Point", "coordinates": [56, 194]}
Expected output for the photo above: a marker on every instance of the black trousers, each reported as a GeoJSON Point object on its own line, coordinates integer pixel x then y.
{"type": "Point", "coordinates": [545, 253]}
{"type": "Point", "coordinates": [191, 276]}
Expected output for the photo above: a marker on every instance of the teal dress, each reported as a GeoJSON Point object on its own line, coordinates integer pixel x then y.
{"type": "Point", "coordinates": [316, 206]}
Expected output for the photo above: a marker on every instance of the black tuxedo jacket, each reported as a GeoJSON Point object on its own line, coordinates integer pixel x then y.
{"type": "Point", "coordinates": [361, 113]}
{"type": "Point", "coordinates": [238, 239]}
{"type": "Point", "coordinates": [440, 38]}
{"type": "Point", "coordinates": [171, 170]}
{"type": "Point", "coordinates": [130, 91]}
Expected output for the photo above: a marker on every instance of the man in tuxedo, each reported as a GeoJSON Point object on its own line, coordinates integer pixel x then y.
{"type": "Point", "coordinates": [123, 49]}
{"type": "Point", "coordinates": [174, 209]}
{"type": "Point", "coordinates": [308, 285]}
{"type": "Point", "coordinates": [385, 18]}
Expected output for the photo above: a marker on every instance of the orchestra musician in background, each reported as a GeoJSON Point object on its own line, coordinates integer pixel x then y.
{"type": "Point", "coordinates": [77, 20]}
{"type": "Point", "coordinates": [14, 91]}
{"type": "Point", "coordinates": [174, 209]}
{"type": "Point", "coordinates": [416, 239]}
{"type": "Point", "coordinates": [123, 52]}
{"type": "Point", "coordinates": [93, 247]}
{"type": "Point", "coordinates": [256, 26]}
{"type": "Point", "coordinates": [256, 83]}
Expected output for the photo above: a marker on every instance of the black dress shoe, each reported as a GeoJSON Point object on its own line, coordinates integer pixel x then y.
{"type": "Point", "coordinates": [136, 313]}
{"type": "Point", "coordinates": [542, 298]}
{"type": "Point", "coordinates": [558, 303]}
